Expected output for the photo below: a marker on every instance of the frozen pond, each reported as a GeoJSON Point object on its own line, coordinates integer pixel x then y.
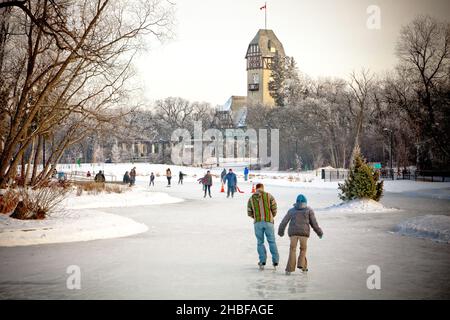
{"type": "Point", "coordinates": [205, 249]}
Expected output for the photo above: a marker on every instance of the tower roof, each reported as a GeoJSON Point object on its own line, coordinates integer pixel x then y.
{"type": "Point", "coordinates": [268, 43]}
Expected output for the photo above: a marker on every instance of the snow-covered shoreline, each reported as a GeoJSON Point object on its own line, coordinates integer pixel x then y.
{"type": "Point", "coordinates": [67, 226]}
{"type": "Point", "coordinates": [80, 219]}
{"type": "Point", "coordinates": [136, 196]}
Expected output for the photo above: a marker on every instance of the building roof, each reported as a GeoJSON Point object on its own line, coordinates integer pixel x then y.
{"type": "Point", "coordinates": [263, 38]}
{"type": "Point", "coordinates": [234, 103]}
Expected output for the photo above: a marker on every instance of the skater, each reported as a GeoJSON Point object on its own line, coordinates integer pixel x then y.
{"type": "Point", "coordinates": [262, 208]}
{"type": "Point", "coordinates": [88, 174]}
{"type": "Point", "coordinates": [126, 178]}
{"type": "Point", "coordinates": [132, 176]}
{"type": "Point", "coordinates": [246, 173]}
{"type": "Point", "coordinates": [152, 179]}
{"type": "Point", "coordinates": [222, 175]}
{"type": "Point", "coordinates": [231, 180]}
{"type": "Point", "coordinates": [100, 177]}
{"type": "Point", "coordinates": [169, 176]}
{"type": "Point", "coordinates": [180, 177]}
{"type": "Point", "coordinates": [300, 217]}
{"type": "Point", "coordinates": [207, 183]}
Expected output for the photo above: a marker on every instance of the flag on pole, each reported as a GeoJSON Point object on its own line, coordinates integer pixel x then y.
{"type": "Point", "coordinates": [265, 14]}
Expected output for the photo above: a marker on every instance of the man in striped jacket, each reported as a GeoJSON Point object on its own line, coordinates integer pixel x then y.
{"type": "Point", "coordinates": [263, 208]}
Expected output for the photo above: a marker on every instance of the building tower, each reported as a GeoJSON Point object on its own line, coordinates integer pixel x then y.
{"type": "Point", "coordinates": [261, 50]}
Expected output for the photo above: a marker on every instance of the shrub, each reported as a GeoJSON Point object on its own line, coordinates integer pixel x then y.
{"type": "Point", "coordinates": [8, 201]}
{"type": "Point", "coordinates": [113, 188]}
{"type": "Point", "coordinates": [38, 203]}
{"type": "Point", "coordinates": [94, 188]}
{"type": "Point", "coordinates": [362, 181]}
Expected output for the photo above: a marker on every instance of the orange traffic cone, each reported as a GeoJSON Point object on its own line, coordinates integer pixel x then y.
{"type": "Point", "coordinates": [222, 189]}
{"type": "Point", "coordinates": [253, 188]}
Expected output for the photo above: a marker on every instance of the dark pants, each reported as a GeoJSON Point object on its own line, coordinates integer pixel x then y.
{"type": "Point", "coordinates": [232, 190]}
{"type": "Point", "coordinates": [152, 182]}
{"type": "Point", "coordinates": [207, 189]}
{"type": "Point", "coordinates": [168, 180]}
{"type": "Point", "coordinates": [180, 180]}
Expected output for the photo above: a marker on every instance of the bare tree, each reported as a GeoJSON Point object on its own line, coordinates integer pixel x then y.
{"type": "Point", "coordinates": [65, 65]}
{"type": "Point", "coordinates": [361, 86]}
{"type": "Point", "coordinates": [424, 52]}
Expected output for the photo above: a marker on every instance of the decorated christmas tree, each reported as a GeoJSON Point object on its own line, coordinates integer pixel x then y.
{"type": "Point", "coordinates": [362, 181]}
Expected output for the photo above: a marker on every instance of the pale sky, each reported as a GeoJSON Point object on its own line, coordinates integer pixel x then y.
{"type": "Point", "coordinates": [206, 59]}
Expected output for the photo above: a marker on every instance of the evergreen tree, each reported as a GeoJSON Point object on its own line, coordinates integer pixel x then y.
{"type": "Point", "coordinates": [278, 77]}
{"type": "Point", "coordinates": [362, 181]}
{"type": "Point", "coordinates": [285, 86]}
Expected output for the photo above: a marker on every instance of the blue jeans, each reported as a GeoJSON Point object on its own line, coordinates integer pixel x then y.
{"type": "Point", "coordinates": [266, 228]}
{"type": "Point", "coordinates": [232, 190]}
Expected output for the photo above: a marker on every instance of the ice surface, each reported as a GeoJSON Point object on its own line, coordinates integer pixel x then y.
{"type": "Point", "coordinates": [206, 249]}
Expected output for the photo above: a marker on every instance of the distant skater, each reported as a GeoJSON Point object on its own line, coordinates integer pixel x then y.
{"type": "Point", "coordinates": [126, 178]}
{"type": "Point", "coordinates": [152, 179]}
{"type": "Point", "coordinates": [207, 183]}
{"type": "Point", "coordinates": [168, 176]}
{"type": "Point", "coordinates": [180, 177]}
{"type": "Point", "coordinates": [222, 175]}
{"type": "Point", "coordinates": [133, 176]}
{"type": "Point", "coordinates": [246, 171]}
{"type": "Point", "coordinates": [231, 181]}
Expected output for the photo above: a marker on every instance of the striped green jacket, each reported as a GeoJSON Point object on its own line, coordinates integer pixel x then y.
{"type": "Point", "coordinates": [262, 207]}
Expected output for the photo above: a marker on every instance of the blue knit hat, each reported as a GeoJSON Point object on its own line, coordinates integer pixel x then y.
{"type": "Point", "coordinates": [301, 198]}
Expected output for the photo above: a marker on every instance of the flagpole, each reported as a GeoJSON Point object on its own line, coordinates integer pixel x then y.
{"type": "Point", "coordinates": [265, 15]}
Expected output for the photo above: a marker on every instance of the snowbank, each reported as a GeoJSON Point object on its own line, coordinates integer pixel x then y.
{"type": "Point", "coordinates": [434, 227]}
{"type": "Point", "coordinates": [357, 206]}
{"type": "Point", "coordinates": [66, 226]}
{"type": "Point", "coordinates": [137, 196]}
{"type": "Point", "coordinates": [77, 219]}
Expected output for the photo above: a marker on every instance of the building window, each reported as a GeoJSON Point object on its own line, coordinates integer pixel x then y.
{"type": "Point", "coordinates": [256, 78]}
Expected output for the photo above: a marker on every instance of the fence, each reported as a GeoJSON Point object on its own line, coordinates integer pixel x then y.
{"type": "Point", "coordinates": [417, 175]}
{"type": "Point", "coordinates": [334, 175]}
{"type": "Point", "coordinates": [82, 176]}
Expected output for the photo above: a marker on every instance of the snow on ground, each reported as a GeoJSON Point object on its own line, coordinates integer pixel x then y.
{"type": "Point", "coordinates": [434, 227]}
{"type": "Point", "coordinates": [67, 226]}
{"type": "Point", "coordinates": [303, 179]}
{"type": "Point", "coordinates": [137, 196]}
{"type": "Point", "coordinates": [79, 219]}
{"type": "Point", "coordinates": [357, 206]}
